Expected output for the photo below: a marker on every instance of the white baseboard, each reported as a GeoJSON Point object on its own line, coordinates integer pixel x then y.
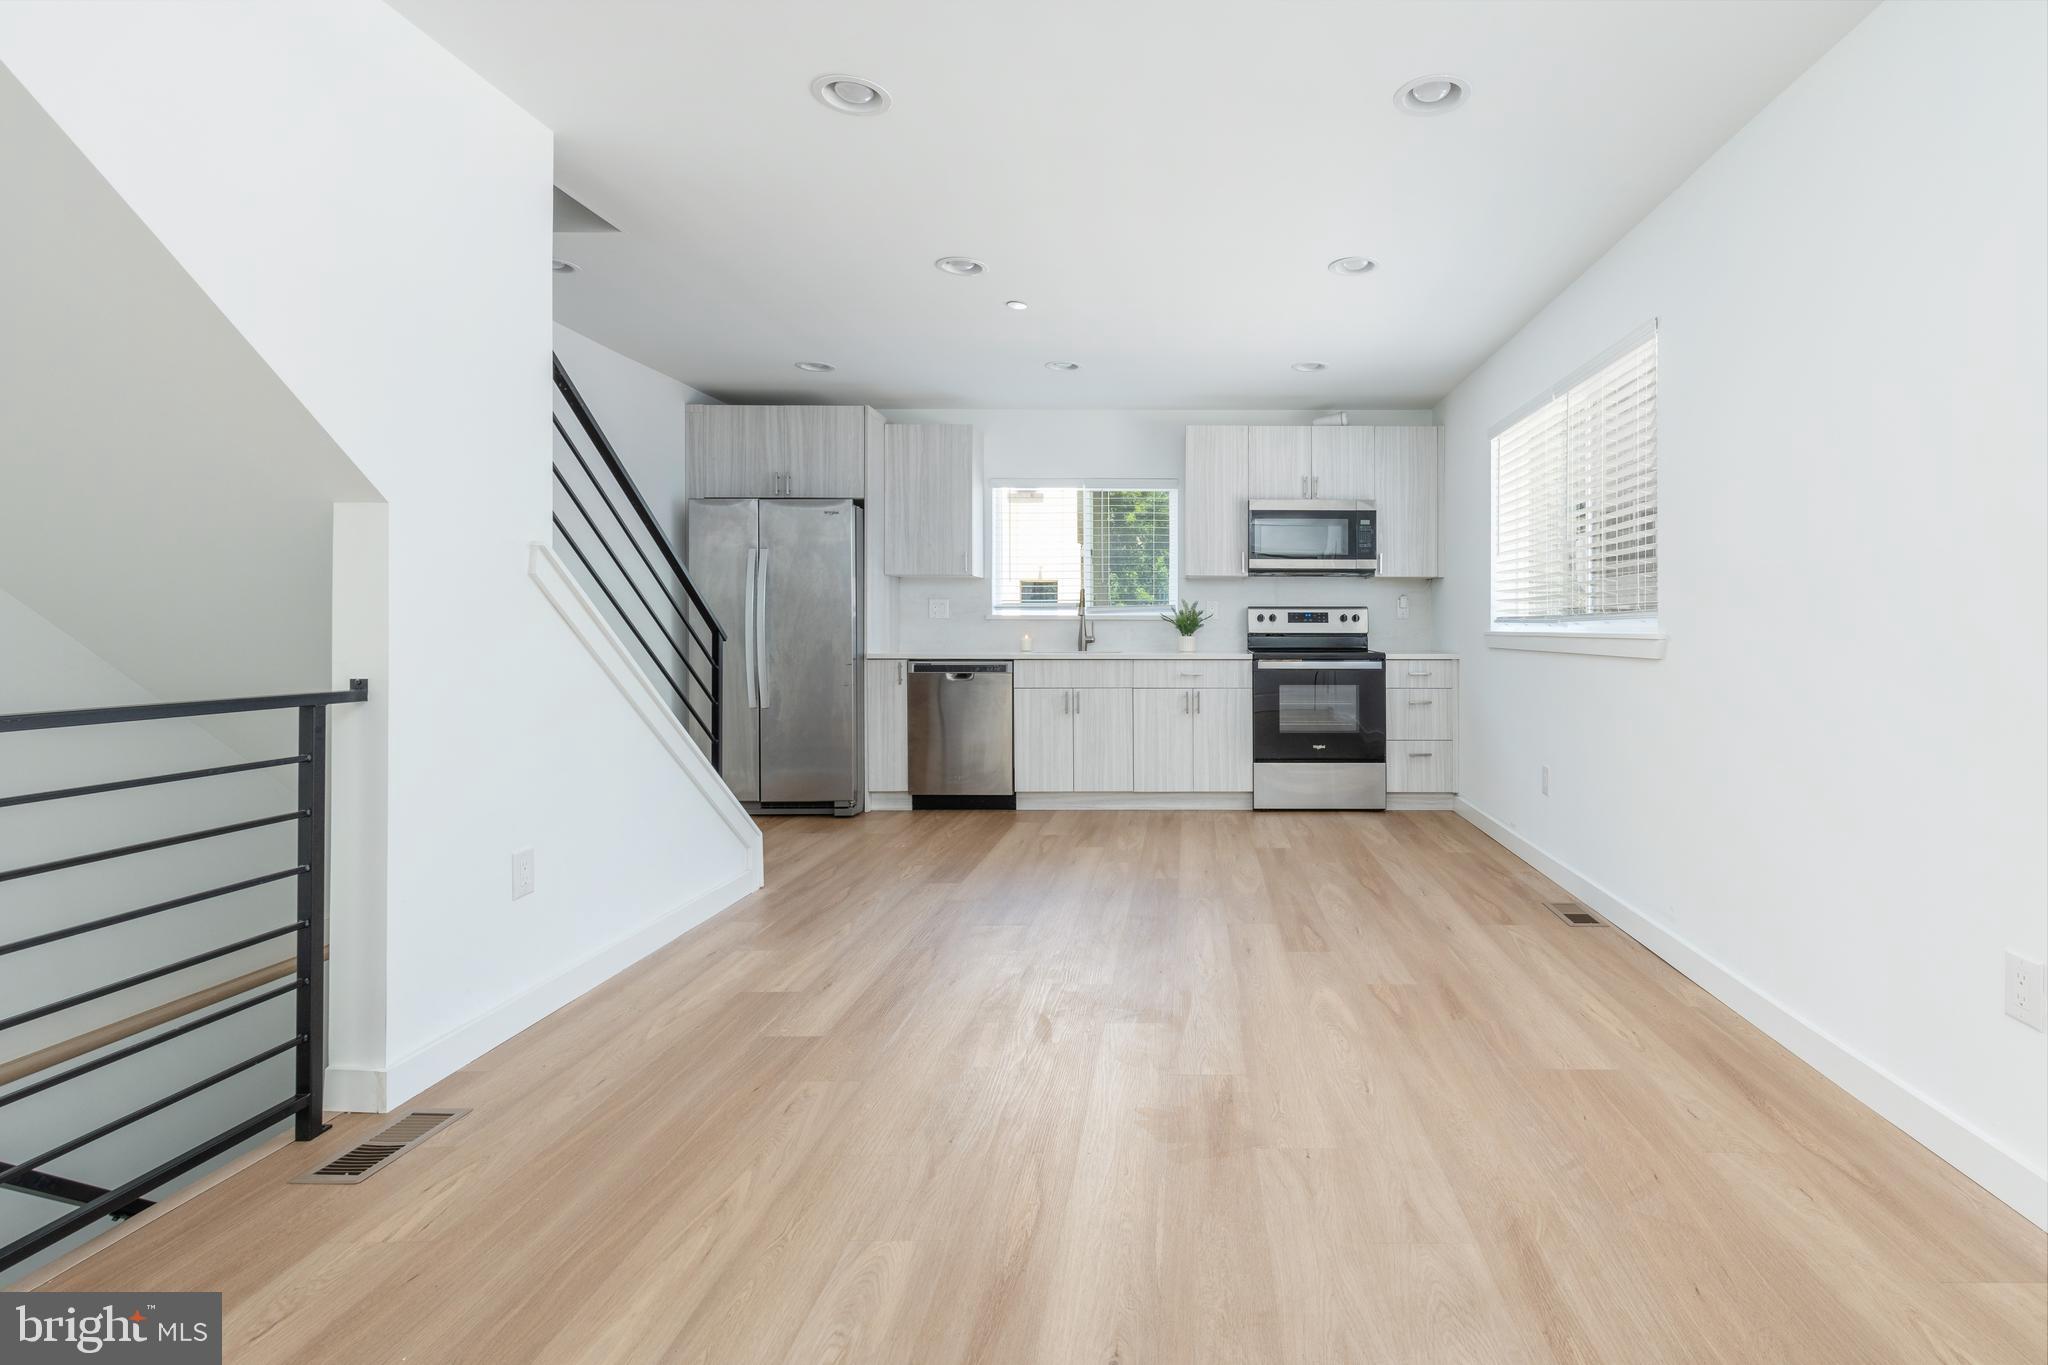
{"type": "Point", "coordinates": [1134, 800]}
{"type": "Point", "coordinates": [1420, 800]}
{"type": "Point", "coordinates": [2003, 1172]}
{"type": "Point", "coordinates": [367, 1091]}
{"type": "Point", "coordinates": [888, 800]}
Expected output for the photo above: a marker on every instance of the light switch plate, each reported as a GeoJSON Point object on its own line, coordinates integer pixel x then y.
{"type": "Point", "coordinates": [939, 608]}
{"type": "Point", "coordinates": [2023, 998]}
{"type": "Point", "coordinates": [522, 873]}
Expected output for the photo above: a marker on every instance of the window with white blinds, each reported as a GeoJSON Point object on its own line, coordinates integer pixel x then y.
{"type": "Point", "coordinates": [1049, 540]}
{"type": "Point", "coordinates": [1575, 498]}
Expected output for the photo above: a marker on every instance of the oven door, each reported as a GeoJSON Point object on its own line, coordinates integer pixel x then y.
{"type": "Point", "coordinates": [1308, 709]}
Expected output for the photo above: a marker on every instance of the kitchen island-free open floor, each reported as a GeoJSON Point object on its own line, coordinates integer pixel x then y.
{"type": "Point", "coordinates": [1053, 1088]}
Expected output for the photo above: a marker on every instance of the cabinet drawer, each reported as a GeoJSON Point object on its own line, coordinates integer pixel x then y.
{"type": "Point", "coordinates": [1421, 713]}
{"type": "Point", "coordinates": [1073, 672]}
{"type": "Point", "coordinates": [1192, 672]}
{"type": "Point", "coordinates": [1419, 765]}
{"type": "Point", "coordinates": [1422, 672]}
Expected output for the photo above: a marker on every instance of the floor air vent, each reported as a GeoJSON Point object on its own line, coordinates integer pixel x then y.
{"type": "Point", "coordinates": [381, 1148]}
{"type": "Point", "coordinates": [1571, 912]}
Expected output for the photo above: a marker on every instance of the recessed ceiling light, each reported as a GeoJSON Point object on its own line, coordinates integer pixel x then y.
{"type": "Point", "coordinates": [959, 265]}
{"type": "Point", "coordinates": [563, 267]}
{"type": "Point", "coordinates": [1352, 265]}
{"type": "Point", "coordinates": [1309, 366]}
{"type": "Point", "coordinates": [1017, 304]}
{"type": "Point", "coordinates": [1431, 95]}
{"type": "Point", "coordinates": [815, 367]}
{"type": "Point", "coordinates": [1061, 365]}
{"type": "Point", "coordinates": [850, 94]}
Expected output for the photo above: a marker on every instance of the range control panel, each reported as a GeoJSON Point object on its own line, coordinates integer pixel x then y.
{"type": "Point", "coordinates": [1304, 620]}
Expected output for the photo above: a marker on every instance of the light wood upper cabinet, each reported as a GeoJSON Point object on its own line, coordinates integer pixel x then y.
{"type": "Point", "coordinates": [1405, 461]}
{"type": "Point", "coordinates": [775, 451]}
{"type": "Point", "coordinates": [1342, 460]}
{"type": "Point", "coordinates": [932, 516]}
{"type": "Point", "coordinates": [1279, 462]}
{"type": "Point", "coordinates": [1212, 503]}
{"type": "Point", "coordinates": [887, 702]}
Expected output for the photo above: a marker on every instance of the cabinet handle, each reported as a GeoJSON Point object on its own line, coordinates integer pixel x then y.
{"type": "Point", "coordinates": [1415, 672]}
{"type": "Point", "coordinates": [1304, 485]}
{"type": "Point", "coordinates": [1422, 701]}
{"type": "Point", "coordinates": [1198, 703]}
{"type": "Point", "coordinates": [1184, 703]}
{"type": "Point", "coordinates": [1077, 703]}
{"type": "Point", "coordinates": [1066, 700]}
{"type": "Point", "coordinates": [1423, 753]}
{"type": "Point", "coordinates": [902, 665]}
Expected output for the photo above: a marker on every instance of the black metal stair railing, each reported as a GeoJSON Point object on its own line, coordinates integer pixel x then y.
{"type": "Point", "coordinates": [87, 1203]}
{"type": "Point", "coordinates": [699, 654]}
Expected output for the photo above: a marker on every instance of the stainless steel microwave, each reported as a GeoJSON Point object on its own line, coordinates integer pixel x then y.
{"type": "Point", "coordinates": [1319, 536]}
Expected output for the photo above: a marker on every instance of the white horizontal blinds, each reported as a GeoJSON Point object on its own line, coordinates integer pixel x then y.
{"type": "Point", "coordinates": [1613, 444]}
{"type": "Point", "coordinates": [1037, 548]}
{"type": "Point", "coordinates": [1130, 547]}
{"type": "Point", "coordinates": [1575, 498]}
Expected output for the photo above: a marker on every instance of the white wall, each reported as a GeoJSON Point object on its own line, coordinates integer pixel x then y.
{"type": "Point", "coordinates": [1828, 801]}
{"type": "Point", "coordinates": [642, 412]}
{"type": "Point", "coordinates": [266, 147]}
{"type": "Point", "coordinates": [1140, 444]}
{"type": "Point", "coordinates": [166, 498]}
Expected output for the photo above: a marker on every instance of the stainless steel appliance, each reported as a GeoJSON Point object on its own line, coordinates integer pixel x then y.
{"type": "Point", "coordinates": [960, 737]}
{"type": "Point", "coordinates": [1321, 536]}
{"type": "Point", "coordinates": [1319, 710]}
{"type": "Point", "coordinates": [784, 577]}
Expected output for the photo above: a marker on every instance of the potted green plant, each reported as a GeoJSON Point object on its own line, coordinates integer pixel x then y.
{"type": "Point", "coordinates": [1187, 618]}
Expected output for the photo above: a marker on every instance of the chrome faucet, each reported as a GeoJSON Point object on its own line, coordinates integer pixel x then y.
{"type": "Point", "coordinates": [1087, 626]}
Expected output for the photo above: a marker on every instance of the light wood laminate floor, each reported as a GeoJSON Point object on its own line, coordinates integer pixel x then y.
{"type": "Point", "coordinates": [1071, 1088]}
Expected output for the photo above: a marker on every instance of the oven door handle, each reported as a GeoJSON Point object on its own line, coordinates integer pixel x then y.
{"type": "Point", "coordinates": [1321, 665]}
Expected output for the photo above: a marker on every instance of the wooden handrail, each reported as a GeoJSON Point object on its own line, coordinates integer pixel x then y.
{"type": "Point", "coordinates": [106, 1034]}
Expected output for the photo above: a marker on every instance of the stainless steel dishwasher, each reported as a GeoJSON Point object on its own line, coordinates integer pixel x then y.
{"type": "Point", "coordinates": [960, 736]}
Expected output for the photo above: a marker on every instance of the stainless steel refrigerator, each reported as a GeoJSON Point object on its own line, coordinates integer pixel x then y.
{"type": "Point", "coordinates": [784, 577]}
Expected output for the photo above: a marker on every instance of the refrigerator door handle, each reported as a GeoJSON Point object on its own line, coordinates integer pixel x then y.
{"type": "Point", "coordinates": [761, 626]}
{"type": "Point", "coordinates": [751, 627]}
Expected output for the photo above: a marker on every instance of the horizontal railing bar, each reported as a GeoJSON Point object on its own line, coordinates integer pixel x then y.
{"type": "Point", "coordinates": [58, 1006]}
{"type": "Point", "coordinates": [612, 597]}
{"type": "Point", "coordinates": [581, 411]}
{"type": "Point", "coordinates": [74, 930]}
{"type": "Point", "coordinates": [93, 1039]}
{"type": "Point", "coordinates": [682, 613]}
{"type": "Point", "coordinates": [86, 1139]}
{"type": "Point", "coordinates": [358, 689]}
{"type": "Point", "coordinates": [51, 1233]}
{"type": "Point", "coordinates": [65, 1190]}
{"type": "Point", "coordinates": [168, 841]}
{"type": "Point", "coordinates": [83, 1068]}
{"type": "Point", "coordinates": [124, 784]}
{"type": "Point", "coordinates": [653, 615]}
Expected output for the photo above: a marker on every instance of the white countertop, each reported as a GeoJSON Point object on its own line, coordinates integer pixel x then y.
{"type": "Point", "coordinates": [974, 654]}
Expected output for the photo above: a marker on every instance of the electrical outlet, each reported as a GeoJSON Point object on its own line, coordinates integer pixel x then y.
{"type": "Point", "coordinates": [1401, 607]}
{"type": "Point", "coordinates": [2024, 1000]}
{"type": "Point", "coordinates": [522, 873]}
{"type": "Point", "coordinates": [938, 608]}
{"type": "Point", "coordinates": [1546, 779]}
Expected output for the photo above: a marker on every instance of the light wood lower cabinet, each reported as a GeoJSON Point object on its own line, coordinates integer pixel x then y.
{"type": "Point", "coordinates": [1419, 765]}
{"type": "Point", "coordinates": [1073, 739]}
{"type": "Point", "coordinates": [1191, 739]}
{"type": "Point", "coordinates": [1043, 727]}
{"type": "Point", "coordinates": [1420, 712]}
{"type": "Point", "coordinates": [888, 725]}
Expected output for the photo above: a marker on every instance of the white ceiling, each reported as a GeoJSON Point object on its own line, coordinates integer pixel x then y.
{"type": "Point", "coordinates": [1162, 181]}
